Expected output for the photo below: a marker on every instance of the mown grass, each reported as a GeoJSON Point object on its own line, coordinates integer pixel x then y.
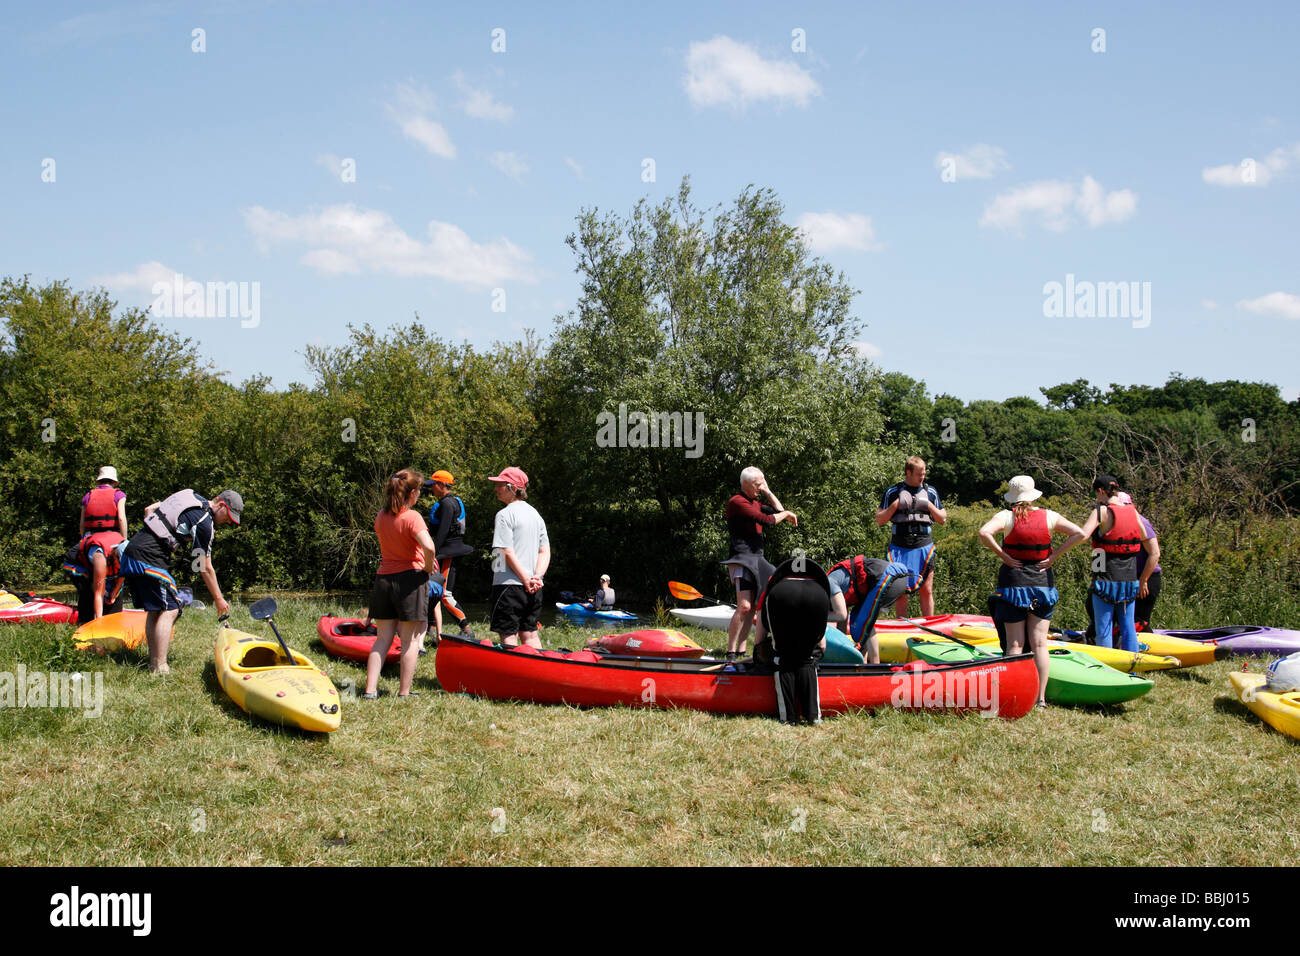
{"type": "Point", "coordinates": [173, 773]}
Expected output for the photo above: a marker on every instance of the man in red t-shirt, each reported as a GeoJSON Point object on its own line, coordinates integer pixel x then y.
{"type": "Point", "coordinates": [747, 518]}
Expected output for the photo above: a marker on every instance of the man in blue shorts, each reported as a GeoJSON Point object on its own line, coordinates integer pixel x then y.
{"type": "Point", "coordinates": [181, 526]}
{"type": "Point", "coordinates": [913, 507]}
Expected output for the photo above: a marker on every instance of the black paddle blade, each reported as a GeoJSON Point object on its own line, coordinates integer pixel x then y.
{"type": "Point", "coordinates": [263, 609]}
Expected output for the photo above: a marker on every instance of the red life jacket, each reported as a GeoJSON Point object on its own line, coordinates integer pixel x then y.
{"type": "Point", "coordinates": [108, 541]}
{"type": "Point", "coordinates": [100, 513]}
{"type": "Point", "coordinates": [1029, 540]}
{"type": "Point", "coordinates": [1125, 535]}
{"type": "Point", "coordinates": [859, 582]}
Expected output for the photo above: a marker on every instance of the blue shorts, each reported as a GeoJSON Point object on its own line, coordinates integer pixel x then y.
{"type": "Point", "coordinates": [919, 563]}
{"type": "Point", "coordinates": [152, 589]}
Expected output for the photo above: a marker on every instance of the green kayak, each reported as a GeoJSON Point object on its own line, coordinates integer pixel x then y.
{"type": "Point", "coordinates": [1073, 678]}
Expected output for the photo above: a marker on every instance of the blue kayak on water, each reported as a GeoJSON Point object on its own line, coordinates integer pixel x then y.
{"type": "Point", "coordinates": [584, 610]}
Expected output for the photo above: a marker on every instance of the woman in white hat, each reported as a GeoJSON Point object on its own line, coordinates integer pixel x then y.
{"type": "Point", "coordinates": [1026, 589]}
{"type": "Point", "coordinates": [101, 529]}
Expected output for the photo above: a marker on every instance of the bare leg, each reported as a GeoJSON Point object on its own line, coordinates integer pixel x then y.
{"type": "Point", "coordinates": [531, 638]}
{"type": "Point", "coordinates": [158, 632]}
{"type": "Point", "coordinates": [741, 621]}
{"type": "Point", "coordinates": [1037, 629]}
{"type": "Point", "coordinates": [410, 632]}
{"type": "Point", "coordinates": [99, 571]}
{"type": "Point", "coordinates": [900, 606]}
{"type": "Point", "coordinates": [927, 596]}
{"type": "Point", "coordinates": [378, 651]}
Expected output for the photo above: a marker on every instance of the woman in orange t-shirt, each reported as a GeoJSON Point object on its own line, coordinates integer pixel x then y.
{"type": "Point", "coordinates": [399, 600]}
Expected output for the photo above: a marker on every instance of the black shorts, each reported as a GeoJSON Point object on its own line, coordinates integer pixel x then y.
{"type": "Point", "coordinates": [514, 610]}
{"type": "Point", "coordinates": [403, 596]}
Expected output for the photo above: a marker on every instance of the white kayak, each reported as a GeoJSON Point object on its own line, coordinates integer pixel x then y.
{"type": "Point", "coordinates": [716, 618]}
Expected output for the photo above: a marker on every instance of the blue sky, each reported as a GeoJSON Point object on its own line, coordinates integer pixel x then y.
{"type": "Point", "coordinates": [1120, 166]}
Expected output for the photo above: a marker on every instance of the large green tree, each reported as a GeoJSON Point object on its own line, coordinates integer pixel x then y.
{"type": "Point", "coordinates": [722, 317]}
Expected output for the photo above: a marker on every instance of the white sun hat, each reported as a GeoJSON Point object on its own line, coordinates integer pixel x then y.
{"type": "Point", "coordinates": [107, 473]}
{"type": "Point", "coordinates": [1021, 488]}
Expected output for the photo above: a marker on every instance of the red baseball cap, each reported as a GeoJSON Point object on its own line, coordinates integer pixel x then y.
{"type": "Point", "coordinates": [512, 476]}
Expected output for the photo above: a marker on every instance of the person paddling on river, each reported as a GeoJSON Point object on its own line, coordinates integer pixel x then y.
{"type": "Point", "coordinates": [1026, 592]}
{"type": "Point", "coordinates": [1117, 536]}
{"type": "Point", "coordinates": [860, 587]}
{"type": "Point", "coordinates": [912, 507]}
{"type": "Point", "coordinates": [447, 527]}
{"type": "Point", "coordinates": [181, 526]}
{"type": "Point", "coordinates": [747, 518]}
{"type": "Point", "coordinates": [604, 598]}
{"type": "Point", "coordinates": [101, 531]}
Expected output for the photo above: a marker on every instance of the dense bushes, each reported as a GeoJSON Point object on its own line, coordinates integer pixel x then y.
{"type": "Point", "coordinates": [724, 318]}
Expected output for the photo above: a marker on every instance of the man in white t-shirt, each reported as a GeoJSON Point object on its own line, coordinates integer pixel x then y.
{"type": "Point", "coordinates": [521, 553]}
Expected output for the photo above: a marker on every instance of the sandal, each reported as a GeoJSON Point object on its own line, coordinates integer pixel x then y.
{"type": "Point", "coordinates": [374, 696]}
{"type": "Point", "coordinates": [414, 693]}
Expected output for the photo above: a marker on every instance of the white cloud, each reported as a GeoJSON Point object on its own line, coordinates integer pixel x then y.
{"type": "Point", "coordinates": [574, 165]}
{"type": "Point", "coordinates": [512, 164]}
{"type": "Point", "coordinates": [481, 104]}
{"type": "Point", "coordinates": [867, 350]}
{"type": "Point", "coordinates": [1100, 207]}
{"type": "Point", "coordinates": [141, 280]}
{"type": "Point", "coordinates": [412, 112]}
{"type": "Point", "coordinates": [722, 72]}
{"type": "Point", "coordinates": [1052, 202]}
{"type": "Point", "coordinates": [1284, 305]}
{"type": "Point", "coordinates": [330, 262]}
{"type": "Point", "coordinates": [1251, 172]}
{"type": "Point", "coordinates": [1209, 304]}
{"type": "Point", "coordinates": [332, 163]}
{"type": "Point", "coordinates": [980, 161]}
{"type": "Point", "coordinates": [347, 239]}
{"type": "Point", "coordinates": [827, 231]}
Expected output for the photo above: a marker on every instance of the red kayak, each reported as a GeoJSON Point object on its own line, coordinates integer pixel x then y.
{"type": "Point", "coordinates": [943, 623]}
{"type": "Point", "coordinates": [41, 611]}
{"type": "Point", "coordinates": [1005, 686]}
{"type": "Point", "coordinates": [651, 642]}
{"type": "Point", "coordinates": [350, 639]}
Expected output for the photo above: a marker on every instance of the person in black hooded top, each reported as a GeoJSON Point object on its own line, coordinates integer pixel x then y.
{"type": "Point", "coordinates": [791, 636]}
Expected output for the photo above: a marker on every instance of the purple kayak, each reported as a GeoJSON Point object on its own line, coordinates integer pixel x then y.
{"type": "Point", "coordinates": [1245, 638]}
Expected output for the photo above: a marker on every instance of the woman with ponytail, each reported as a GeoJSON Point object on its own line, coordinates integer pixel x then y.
{"type": "Point", "coordinates": [1026, 592]}
{"type": "Point", "coordinates": [1118, 536]}
{"type": "Point", "coordinates": [399, 600]}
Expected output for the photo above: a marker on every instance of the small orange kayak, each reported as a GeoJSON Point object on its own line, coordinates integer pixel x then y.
{"type": "Point", "coordinates": [651, 642]}
{"type": "Point", "coordinates": [111, 633]}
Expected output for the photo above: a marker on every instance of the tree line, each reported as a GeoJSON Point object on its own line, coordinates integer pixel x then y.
{"type": "Point", "coordinates": [720, 316]}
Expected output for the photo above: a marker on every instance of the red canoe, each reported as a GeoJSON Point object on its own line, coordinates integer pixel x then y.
{"type": "Point", "coordinates": [650, 642]}
{"type": "Point", "coordinates": [41, 611]}
{"type": "Point", "coordinates": [1005, 686]}
{"type": "Point", "coordinates": [350, 639]}
{"type": "Point", "coordinates": [944, 623]}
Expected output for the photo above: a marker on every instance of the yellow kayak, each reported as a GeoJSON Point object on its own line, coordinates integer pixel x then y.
{"type": "Point", "coordinates": [1126, 662]}
{"type": "Point", "coordinates": [111, 633]}
{"type": "Point", "coordinates": [10, 600]}
{"type": "Point", "coordinates": [1189, 653]}
{"type": "Point", "coordinates": [253, 671]}
{"type": "Point", "coordinates": [1279, 711]}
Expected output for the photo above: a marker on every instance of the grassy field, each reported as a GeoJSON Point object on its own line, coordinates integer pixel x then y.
{"type": "Point", "coordinates": [173, 773]}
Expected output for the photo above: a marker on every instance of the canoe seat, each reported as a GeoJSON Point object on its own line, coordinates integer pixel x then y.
{"type": "Point", "coordinates": [260, 657]}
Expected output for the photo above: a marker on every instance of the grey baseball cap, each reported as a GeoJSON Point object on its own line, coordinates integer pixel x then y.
{"type": "Point", "coordinates": [234, 501]}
